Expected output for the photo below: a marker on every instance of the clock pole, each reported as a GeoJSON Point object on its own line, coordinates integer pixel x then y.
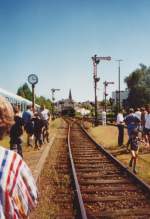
{"type": "Point", "coordinates": [33, 97]}
{"type": "Point", "coordinates": [33, 79]}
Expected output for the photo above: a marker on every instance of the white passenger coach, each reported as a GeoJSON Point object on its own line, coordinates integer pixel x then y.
{"type": "Point", "coordinates": [16, 100]}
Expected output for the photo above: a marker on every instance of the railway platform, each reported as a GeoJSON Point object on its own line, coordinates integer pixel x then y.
{"type": "Point", "coordinates": [36, 158]}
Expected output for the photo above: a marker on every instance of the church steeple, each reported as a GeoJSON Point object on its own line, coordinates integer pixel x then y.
{"type": "Point", "coordinates": [70, 95]}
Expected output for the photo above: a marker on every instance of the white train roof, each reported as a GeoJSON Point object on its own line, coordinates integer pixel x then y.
{"type": "Point", "coordinates": [14, 96]}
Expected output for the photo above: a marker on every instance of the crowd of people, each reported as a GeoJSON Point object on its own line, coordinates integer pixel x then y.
{"type": "Point", "coordinates": [35, 124]}
{"type": "Point", "coordinates": [138, 128]}
{"type": "Point", "coordinates": [18, 191]}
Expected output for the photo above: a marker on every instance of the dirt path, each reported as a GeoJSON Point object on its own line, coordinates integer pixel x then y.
{"type": "Point", "coordinates": [54, 183]}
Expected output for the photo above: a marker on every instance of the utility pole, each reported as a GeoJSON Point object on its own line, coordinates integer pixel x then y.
{"type": "Point", "coordinates": [119, 60]}
{"type": "Point", "coordinates": [96, 61]}
{"type": "Point", "coordinates": [106, 83]}
{"type": "Point", "coordinates": [53, 90]}
{"type": "Point", "coordinates": [96, 80]}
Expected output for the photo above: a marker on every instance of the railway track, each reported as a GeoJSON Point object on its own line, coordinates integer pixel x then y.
{"type": "Point", "coordinates": [64, 196]}
{"type": "Point", "coordinates": [105, 188]}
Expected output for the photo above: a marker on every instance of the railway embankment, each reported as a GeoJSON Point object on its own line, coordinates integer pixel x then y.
{"type": "Point", "coordinates": [107, 137]}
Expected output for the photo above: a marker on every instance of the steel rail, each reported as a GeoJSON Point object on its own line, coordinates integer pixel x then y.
{"type": "Point", "coordinates": [77, 187]}
{"type": "Point", "coordinates": [132, 176]}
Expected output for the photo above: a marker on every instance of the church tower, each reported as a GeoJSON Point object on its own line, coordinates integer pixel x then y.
{"type": "Point", "coordinates": [70, 95]}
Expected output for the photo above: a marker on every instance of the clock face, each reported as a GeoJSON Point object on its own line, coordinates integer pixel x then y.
{"type": "Point", "coordinates": [33, 79]}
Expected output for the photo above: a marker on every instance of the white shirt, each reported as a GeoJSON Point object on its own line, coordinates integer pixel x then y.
{"type": "Point", "coordinates": [147, 121]}
{"type": "Point", "coordinates": [45, 114]}
{"type": "Point", "coordinates": [103, 115]}
{"type": "Point", "coordinates": [120, 118]}
{"type": "Point", "coordinates": [138, 114]}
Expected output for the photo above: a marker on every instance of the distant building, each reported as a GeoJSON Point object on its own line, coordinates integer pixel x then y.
{"type": "Point", "coordinates": [82, 111]}
{"type": "Point", "coordinates": [65, 104]}
{"type": "Point", "coordinates": [123, 96]}
{"type": "Point", "coordinates": [84, 108]}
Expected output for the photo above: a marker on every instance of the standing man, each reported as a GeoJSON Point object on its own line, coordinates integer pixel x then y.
{"type": "Point", "coordinates": [143, 116]}
{"type": "Point", "coordinates": [27, 115]}
{"type": "Point", "coordinates": [138, 113]}
{"type": "Point", "coordinates": [120, 124]}
{"type": "Point", "coordinates": [45, 116]}
{"type": "Point", "coordinates": [16, 132]}
{"type": "Point", "coordinates": [28, 125]}
{"type": "Point", "coordinates": [132, 122]}
{"type": "Point", "coordinates": [147, 126]}
{"type": "Point", "coordinates": [103, 117]}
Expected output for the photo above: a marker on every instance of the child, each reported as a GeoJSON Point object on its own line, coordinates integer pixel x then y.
{"type": "Point", "coordinates": [16, 132]}
{"type": "Point", "coordinates": [134, 146]}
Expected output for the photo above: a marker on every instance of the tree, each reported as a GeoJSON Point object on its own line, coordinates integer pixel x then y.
{"type": "Point", "coordinates": [138, 83]}
{"type": "Point", "coordinates": [43, 101]}
{"type": "Point", "coordinates": [24, 91]}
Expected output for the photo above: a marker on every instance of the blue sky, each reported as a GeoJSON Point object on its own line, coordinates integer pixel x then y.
{"type": "Point", "coordinates": [56, 39]}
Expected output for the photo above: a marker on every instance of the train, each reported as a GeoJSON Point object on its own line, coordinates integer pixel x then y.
{"type": "Point", "coordinates": [68, 111]}
{"type": "Point", "coordinates": [16, 100]}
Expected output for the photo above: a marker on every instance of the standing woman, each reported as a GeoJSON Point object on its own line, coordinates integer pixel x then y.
{"type": "Point", "coordinates": [120, 124]}
{"type": "Point", "coordinates": [18, 192]}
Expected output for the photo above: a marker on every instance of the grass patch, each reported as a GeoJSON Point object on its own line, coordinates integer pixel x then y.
{"type": "Point", "coordinates": [107, 136]}
{"type": "Point", "coordinates": [87, 125]}
{"type": "Point", "coordinates": [5, 142]}
{"type": "Point", "coordinates": [143, 164]}
{"type": "Point", "coordinates": [55, 123]}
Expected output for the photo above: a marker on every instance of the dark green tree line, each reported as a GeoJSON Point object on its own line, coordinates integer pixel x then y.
{"type": "Point", "coordinates": [25, 92]}
{"type": "Point", "coordinates": [43, 101]}
{"type": "Point", "coordinates": [138, 83]}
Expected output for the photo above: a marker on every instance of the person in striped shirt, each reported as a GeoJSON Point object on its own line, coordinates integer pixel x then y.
{"type": "Point", "coordinates": [18, 191]}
